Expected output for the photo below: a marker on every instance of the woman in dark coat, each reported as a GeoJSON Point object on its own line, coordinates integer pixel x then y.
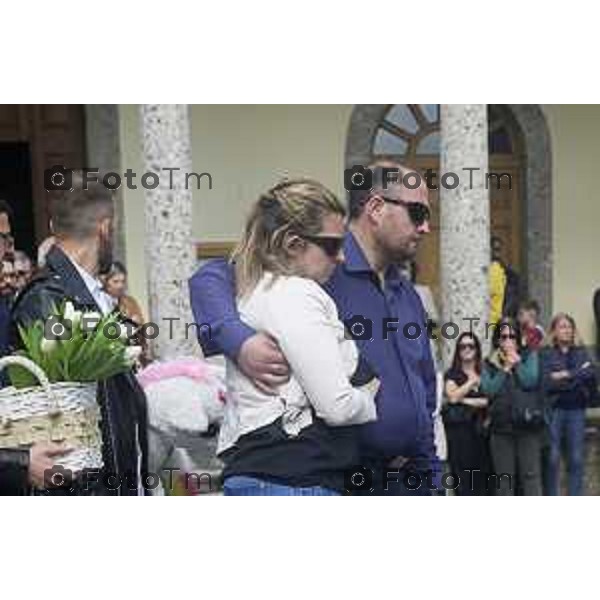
{"type": "Point", "coordinates": [570, 383]}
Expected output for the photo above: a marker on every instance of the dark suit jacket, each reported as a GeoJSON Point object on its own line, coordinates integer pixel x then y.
{"type": "Point", "coordinates": [121, 399]}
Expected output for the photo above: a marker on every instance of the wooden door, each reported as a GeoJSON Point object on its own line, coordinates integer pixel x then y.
{"type": "Point", "coordinates": [54, 134]}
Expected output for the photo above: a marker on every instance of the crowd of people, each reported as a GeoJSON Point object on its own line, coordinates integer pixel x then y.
{"type": "Point", "coordinates": [318, 401]}
{"type": "Point", "coordinates": [514, 411]}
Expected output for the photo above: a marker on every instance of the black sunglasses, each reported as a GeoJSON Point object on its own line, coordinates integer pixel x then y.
{"type": "Point", "coordinates": [331, 245]}
{"type": "Point", "coordinates": [508, 336]}
{"type": "Point", "coordinates": [419, 213]}
{"type": "Point", "coordinates": [466, 347]}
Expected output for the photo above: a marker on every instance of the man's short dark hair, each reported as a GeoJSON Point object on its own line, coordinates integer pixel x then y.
{"type": "Point", "coordinates": [385, 174]}
{"type": "Point", "coordinates": [76, 213]}
{"type": "Point", "coordinates": [6, 209]}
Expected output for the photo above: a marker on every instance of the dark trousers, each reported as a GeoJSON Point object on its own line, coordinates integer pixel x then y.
{"type": "Point", "coordinates": [517, 454]}
{"type": "Point", "coordinates": [468, 455]}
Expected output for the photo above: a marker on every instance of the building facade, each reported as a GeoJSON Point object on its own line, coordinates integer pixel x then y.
{"type": "Point", "coordinates": [547, 218]}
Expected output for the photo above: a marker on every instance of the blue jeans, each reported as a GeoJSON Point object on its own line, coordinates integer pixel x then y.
{"type": "Point", "coordinates": [241, 485]}
{"type": "Point", "coordinates": [570, 425]}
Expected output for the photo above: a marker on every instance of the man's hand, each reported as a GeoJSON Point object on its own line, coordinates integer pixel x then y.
{"type": "Point", "coordinates": [261, 359]}
{"type": "Point", "coordinates": [41, 457]}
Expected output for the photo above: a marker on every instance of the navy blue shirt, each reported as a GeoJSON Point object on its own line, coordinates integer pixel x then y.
{"type": "Point", "coordinates": [407, 396]}
{"type": "Point", "coordinates": [575, 391]}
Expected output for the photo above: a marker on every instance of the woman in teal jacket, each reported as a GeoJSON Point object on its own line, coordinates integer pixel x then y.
{"type": "Point", "coordinates": [510, 378]}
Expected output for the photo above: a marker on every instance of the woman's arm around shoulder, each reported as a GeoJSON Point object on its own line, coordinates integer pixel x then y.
{"type": "Point", "coordinates": [303, 319]}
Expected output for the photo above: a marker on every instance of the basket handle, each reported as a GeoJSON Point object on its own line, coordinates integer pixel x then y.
{"type": "Point", "coordinates": [34, 369]}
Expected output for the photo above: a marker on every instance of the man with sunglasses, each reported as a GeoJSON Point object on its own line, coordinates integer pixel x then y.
{"type": "Point", "coordinates": [386, 225]}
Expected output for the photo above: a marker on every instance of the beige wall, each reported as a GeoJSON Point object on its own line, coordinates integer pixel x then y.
{"type": "Point", "coordinates": [247, 148]}
{"type": "Point", "coordinates": [575, 131]}
{"type": "Point", "coordinates": [133, 202]}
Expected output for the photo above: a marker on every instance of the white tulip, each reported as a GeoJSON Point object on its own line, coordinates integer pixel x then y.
{"type": "Point", "coordinates": [47, 345]}
{"type": "Point", "coordinates": [76, 318]}
{"type": "Point", "coordinates": [69, 311]}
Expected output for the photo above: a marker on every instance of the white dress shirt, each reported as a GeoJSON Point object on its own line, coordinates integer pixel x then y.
{"type": "Point", "coordinates": [105, 302]}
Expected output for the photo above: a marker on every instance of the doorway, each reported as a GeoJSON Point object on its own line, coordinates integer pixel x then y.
{"type": "Point", "coordinates": [15, 189]}
{"type": "Point", "coordinates": [35, 137]}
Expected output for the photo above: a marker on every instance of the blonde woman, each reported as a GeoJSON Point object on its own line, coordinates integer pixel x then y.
{"type": "Point", "coordinates": [570, 382]}
{"type": "Point", "coordinates": [298, 441]}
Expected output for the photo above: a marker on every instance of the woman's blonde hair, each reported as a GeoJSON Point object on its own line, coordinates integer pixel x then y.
{"type": "Point", "coordinates": [291, 207]}
{"type": "Point", "coordinates": [577, 341]}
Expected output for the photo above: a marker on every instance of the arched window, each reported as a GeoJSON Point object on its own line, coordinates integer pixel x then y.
{"type": "Point", "coordinates": [410, 131]}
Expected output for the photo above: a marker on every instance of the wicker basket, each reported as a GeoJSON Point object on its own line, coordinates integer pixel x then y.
{"type": "Point", "coordinates": [59, 412]}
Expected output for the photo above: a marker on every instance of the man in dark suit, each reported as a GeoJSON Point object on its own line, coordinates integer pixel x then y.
{"type": "Point", "coordinates": [19, 468]}
{"type": "Point", "coordinates": [82, 221]}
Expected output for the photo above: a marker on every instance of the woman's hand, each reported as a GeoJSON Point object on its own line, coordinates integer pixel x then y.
{"type": "Point", "coordinates": [473, 381]}
{"type": "Point", "coordinates": [476, 402]}
{"type": "Point", "coordinates": [560, 375]}
{"type": "Point", "coordinates": [512, 359]}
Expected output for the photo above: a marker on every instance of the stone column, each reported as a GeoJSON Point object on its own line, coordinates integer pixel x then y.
{"type": "Point", "coordinates": [464, 221]}
{"type": "Point", "coordinates": [169, 244]}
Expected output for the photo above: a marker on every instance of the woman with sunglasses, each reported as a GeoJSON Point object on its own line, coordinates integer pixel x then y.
{"type": "Point", "coordinates": [464, 416]}
{"type": "Point", "coordinates": [296, 442]}
{"type": "Point", "coordinates": [510, 378]}
{"type": "Point", "coordinates": [570, 382]}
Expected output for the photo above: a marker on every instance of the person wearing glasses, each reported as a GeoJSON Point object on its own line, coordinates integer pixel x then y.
{"type": "Point", "coordinates": [19, 468]}
{"type": "Point", "coordinates": [511, 380]}
{"type": "Point", "coordinates": [296, 441]}
{"type": "Point", "coordinates": [7, 280]}
{"type": "Point", "coordinates": [464, 416]}
{"type": "Point", "coordinates": [386, 224]}
{"type": "Point", "coordinates": [23, 269]}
